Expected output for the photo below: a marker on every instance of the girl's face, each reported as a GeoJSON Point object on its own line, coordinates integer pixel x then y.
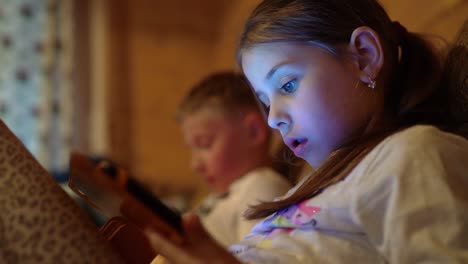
{"type": "Point", "coordinates": [314, 99]}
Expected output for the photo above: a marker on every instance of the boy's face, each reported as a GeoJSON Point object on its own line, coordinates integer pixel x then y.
{"type": "Point", "coordinates": [219, 146]}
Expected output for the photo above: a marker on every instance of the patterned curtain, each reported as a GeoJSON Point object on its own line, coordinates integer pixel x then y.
{"type": "Point", "coordinates": [35, 76]}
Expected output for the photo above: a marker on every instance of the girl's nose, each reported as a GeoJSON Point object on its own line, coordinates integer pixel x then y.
{"type": "Point", "coordinates": [278, 119]}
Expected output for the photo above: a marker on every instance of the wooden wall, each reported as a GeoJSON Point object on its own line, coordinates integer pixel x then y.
{"type": "Point", "coordinates": [439, 17]}
{"type": "Point", "coordinates": [170, 48]}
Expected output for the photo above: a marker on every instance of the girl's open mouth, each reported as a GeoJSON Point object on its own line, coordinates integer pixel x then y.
{"type": "Point", "coordinates": [297, 145]}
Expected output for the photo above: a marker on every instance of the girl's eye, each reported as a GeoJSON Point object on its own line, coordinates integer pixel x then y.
{"type": "Point", "coordinates": [266, 111]}
{"type": "Point", "coordinates": [289, 87]}
{"type": "Point", "coordinates": [264, 105]}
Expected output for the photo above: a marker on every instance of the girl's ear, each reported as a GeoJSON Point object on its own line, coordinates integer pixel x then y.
{"type": "Point", "coordinates": [365, 43]}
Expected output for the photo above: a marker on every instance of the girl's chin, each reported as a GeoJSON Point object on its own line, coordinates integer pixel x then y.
{"type": "Point", "coordinates": [315, 160]}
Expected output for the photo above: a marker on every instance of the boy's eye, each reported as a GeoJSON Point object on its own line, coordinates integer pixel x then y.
{"type": "Point", "coordinates": [204, 142]}
{"type": "Point", "coordinates": [289, 87]}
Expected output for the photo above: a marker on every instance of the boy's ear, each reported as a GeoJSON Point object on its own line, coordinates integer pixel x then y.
{"type": "Point", "coordinates": [256, 127]}
{"type": "Point", "coordinates": [365, 43]}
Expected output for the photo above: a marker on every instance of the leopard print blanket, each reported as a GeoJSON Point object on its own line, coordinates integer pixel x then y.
{"type": "Point", "coordinates": [39, 222]}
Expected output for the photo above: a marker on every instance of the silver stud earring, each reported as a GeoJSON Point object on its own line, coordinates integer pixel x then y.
{"type": "Point", "coordinates": [372, 83]}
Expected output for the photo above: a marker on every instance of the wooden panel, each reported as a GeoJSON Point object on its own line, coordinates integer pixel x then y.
{"type": "Point", "coordinates": [178, 16]}
{"type": "Point", "coordinates": [81, 77]}
{"type": "Point", "coordinates": [233, 24]}
{"type": "Point", "coordinates": [429, 16]}
{"type": "Point", "coordinates": [170, 48]}
{"type": "Point", "coordinates": [120, 109]}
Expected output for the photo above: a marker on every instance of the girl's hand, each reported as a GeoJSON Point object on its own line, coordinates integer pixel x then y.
{"type": "Point", "coordinates": [144, 218]}
{"type": "Point", "coordinates": [198, 246]}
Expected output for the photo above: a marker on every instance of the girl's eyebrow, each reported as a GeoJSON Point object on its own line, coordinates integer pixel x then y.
{"type": "Point", "coordinates": [275, 69]}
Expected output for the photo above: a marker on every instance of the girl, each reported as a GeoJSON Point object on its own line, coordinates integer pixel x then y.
{"type": "Point", "coordinates": [355, 95]}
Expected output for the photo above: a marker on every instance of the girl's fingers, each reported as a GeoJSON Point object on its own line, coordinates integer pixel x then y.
{"type": "Point", "coordinates": [141, 216]}
{"type": "Point", "coordinates": [198, 246]}
{"type": "Point", "coordinates": [194, 227]}
{"type": "Point", "coordinates": [174, 254]}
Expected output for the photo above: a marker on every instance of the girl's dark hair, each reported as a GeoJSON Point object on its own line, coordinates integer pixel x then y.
{"type": "Point", "coordinates": [412, 69]}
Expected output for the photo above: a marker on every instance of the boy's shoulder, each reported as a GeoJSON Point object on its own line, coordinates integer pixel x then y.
{"type": "Point", "coordinates": [263, 175]}
{"type": "Point", "coordinates": [260, 184]}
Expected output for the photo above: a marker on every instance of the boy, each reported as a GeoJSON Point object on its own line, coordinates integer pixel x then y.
{"type": "Point", "coordinates": [229, 139]}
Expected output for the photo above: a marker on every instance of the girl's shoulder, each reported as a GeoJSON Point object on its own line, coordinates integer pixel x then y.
{"type": "Point", "coordinates": [422, 138]}
{"type": "Point", "coordinates": [427, 132]}
{"type": "Point", "coordinates": [416, 147]}
{"type": "Point", "coordinates": [407, 160]}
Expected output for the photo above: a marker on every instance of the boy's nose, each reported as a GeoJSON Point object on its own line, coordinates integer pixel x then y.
{"type": "Point", "coordinates": [197, 165]}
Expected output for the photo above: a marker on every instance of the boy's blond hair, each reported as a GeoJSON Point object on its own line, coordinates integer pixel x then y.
{"type": "Point", "coordinates": [226, 91]}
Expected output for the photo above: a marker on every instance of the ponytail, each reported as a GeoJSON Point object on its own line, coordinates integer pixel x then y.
{"type": "Point", "coordinates": [414, 93]}
{"type": "Point", "coordinates": [455, 81]}
{"type": "Point", "coordinates": [418, 70]}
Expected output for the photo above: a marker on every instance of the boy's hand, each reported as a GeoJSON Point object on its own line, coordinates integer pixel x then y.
{"type": "Point", "coordinates": [197, 247]}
